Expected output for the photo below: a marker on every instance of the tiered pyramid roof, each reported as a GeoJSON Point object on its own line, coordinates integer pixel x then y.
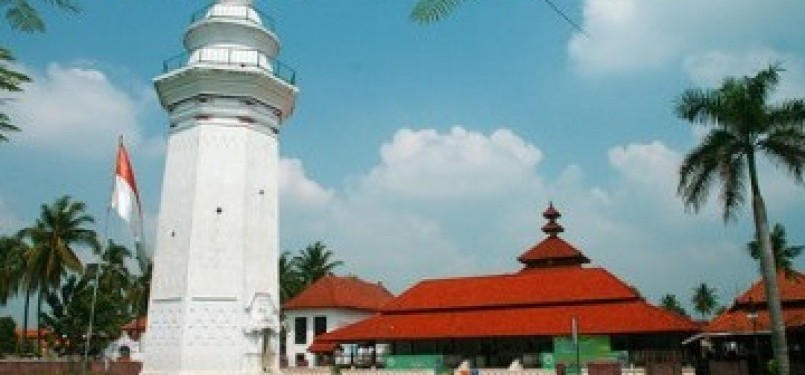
{"type": "Point", "coordinates": [541, 300]}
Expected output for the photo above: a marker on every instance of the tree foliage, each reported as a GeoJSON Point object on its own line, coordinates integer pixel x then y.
{"type": "Point", "coordinates": [704, 299]}
{"type": "Point", "coordinates": [784, 254]}
{"type": "Point", "coordinates": [744, 125]}
{"type": "Point", "coordinates": [52, 243]}
{"type": "Point", "coordinates": [290, 280]}
{"type": "Point", "coordinates": [10, 81]}
{"type": "Point", "coordinates": [297, 272]}
{"type": "Point", "coordinates": [314, 262]}
{"type": "Point", "coordinates": [11, 267]}
{"type": "Point", "coordinates": [8, 341]}
{"type": "Point", "coordinates": [427, 11]}
{"type": "Point", "coordinates": [70, 309]}
{"type": "Point", "coordinates": [22, 16]}
{"type": "Point", "coordinates": [671, 303]}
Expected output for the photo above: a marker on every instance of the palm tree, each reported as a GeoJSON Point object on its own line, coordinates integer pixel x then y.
{"type": "Point", "coordinates": [52, 244]}
{"type": "Point", "coordinates": [290, 280]}
{"type": "Point", "coordinates": [670, 303]}
{"type": "Point", "coordinates": [315, 262]}
{"type": "Point", "coordinates": [704, 299]}
{"type": "Point", "coordinates": [11, 81]}
{"type": "Point", "coordinates": [12, 270]}
{"type": "Point", "coordinates": [11, 267]}
{"type": "Point", "coordinates": [428, 11]}
{"type": "Point", "coordinates": [24, 17]}
{"type": "Point", "coordinates": [139, 292]}
{"type": "Point", "coordinates": [21, 15]}
{"type": "Point", "coordinates": [783, 254]}
{"type": "Point", "coordinates": [744, 125]}
{"type": "Point", "coordinates": [24, 281]}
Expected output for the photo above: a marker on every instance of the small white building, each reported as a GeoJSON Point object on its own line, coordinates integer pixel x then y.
{"type": "Point", "coordinates": [329, 303]}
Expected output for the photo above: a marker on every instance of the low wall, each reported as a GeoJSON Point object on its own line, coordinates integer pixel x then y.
{"type": "Point", "coordinates": [346, 371]}
{"type": "Point", "coordinates": [17, 367]}
{"type": "Point", "coordinates": [480, 371]}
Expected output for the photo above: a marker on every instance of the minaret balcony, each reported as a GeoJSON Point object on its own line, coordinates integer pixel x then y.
{"type": "Point", "coordinates": [231, 57]}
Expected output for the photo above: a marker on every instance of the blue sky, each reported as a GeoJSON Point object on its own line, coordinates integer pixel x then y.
{"type": "Point", "coordinates": [431, 151]}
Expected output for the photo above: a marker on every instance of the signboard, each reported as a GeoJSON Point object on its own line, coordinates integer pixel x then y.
{"type": "Point", "coordinates": [414, 361]}
{"type": "Point", "coordinates": [591, 349]}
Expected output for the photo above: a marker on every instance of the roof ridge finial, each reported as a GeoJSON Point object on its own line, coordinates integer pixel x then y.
{"type": "Point", "coordinates": [552, 228]}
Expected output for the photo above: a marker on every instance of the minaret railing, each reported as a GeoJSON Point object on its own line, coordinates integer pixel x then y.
{"type": "Point", "coordinates": [231, 57]}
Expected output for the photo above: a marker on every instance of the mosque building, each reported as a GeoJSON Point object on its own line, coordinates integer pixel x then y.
{"type": "Point", "coordinates": [532, 318]}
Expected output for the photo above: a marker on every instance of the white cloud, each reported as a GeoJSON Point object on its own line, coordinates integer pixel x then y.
{"type": "Point", "coordinates": [400, 224]}
{"type": "Point", "coordinates": [9, 222]}
{"type": "Point", "coordinates": [653, 165]}
{"type": "Point", "coordinates": [71, 110]}
{"type": "Point", "coordinates": [617, 29]}
{"type": "Point", "coordinates": [627, 36]}
{"type": "Point", "coordinates": [297, 189]}
{"type": "Point", "coordinates": [709, 69]}
{"type": "Point", "coordinates": [458, 165]}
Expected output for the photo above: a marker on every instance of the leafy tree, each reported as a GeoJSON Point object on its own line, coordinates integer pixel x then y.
{"type": "Point", "coordinates": [8, 341]}
{"type": "Point", "coordinates": [428, 11]}
{"type": "Point", "coordinates": [743, 125]}
{"type": "Point", "coordinates": [52, 240]}
{"type": "Point", "coordinates": [139, 291]}
{"type": "Point", "coordinates": [11, 81]}
{"type": "Point", "coordinates": [314, 262]}
{"type": "Point", "coordinates": [22, 16]}
{"type": "Point", "coordinates": [670, 303]}
{"type": "Point", "coordinates": [71, 307]}
{"type": "Point", "coordinates": [290, 280]}
{"type": "Point", "coordinates": [62, 320]}
{"type": "Point", "coordinates": [704, 299]}
{"type": "Point", "coordinates": [11, 267]}
{"type": "Point", "coordinates": [783, 254]}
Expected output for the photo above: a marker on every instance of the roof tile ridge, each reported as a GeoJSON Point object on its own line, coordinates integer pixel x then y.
{"type": "Point", "coordinates": [520, 305]}
{"type": "Point", "coordinates": [468, 277]}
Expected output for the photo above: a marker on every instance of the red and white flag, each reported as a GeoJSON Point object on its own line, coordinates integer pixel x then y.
{"type": "Point", "coordinates": [125, 198]}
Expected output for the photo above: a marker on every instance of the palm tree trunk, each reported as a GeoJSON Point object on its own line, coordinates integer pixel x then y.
{"type": "Point", "coordinates": [39, 325]}
{"type": "Point", "coordinates": [779, 344]}
{"type": "Point", "coordinates": [24, 336]}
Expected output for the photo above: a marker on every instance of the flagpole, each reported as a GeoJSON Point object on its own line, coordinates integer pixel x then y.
{"type": "Point", "coordinates": [104, 247]}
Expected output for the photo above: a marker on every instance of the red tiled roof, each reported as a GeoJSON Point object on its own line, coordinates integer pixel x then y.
{"type": "Point", "coordinates": [31, 333]}
{"type": "Point", "coordinates": [605, 318]}
{"type": "Point", "coordinates": [551, 248]}
{"type": "Point", "coordinates": [320, 346]}
{"type": "Point", "coordinates": [737, 321]}
{"type": "Point", "coordinates": [543, 287]}
{"type": "Point", "coordinates": [138, 324]}
{"type": "Point", "coordinates": [792, 288]}
{"type": "Point", "coordinates": [345, 292]}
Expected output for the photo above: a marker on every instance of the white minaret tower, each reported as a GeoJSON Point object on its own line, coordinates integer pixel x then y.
{"type": "Point", "coordinates": [214, 305]}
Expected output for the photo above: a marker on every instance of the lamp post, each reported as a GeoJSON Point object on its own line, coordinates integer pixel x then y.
{"type": "Point", "coordinates": [752, 315]}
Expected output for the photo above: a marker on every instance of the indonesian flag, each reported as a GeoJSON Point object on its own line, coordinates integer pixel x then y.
{"type": "Point", "coordinates": [125, 199]}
